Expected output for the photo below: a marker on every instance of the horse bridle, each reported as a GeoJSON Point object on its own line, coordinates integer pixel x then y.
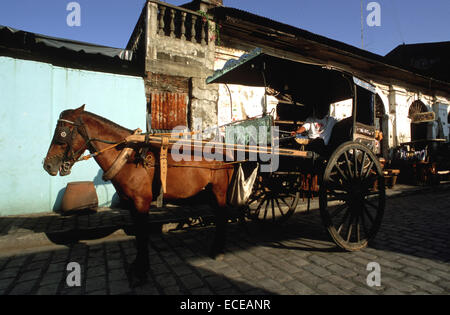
{"type": "Point", "coordinates": [66, 135]}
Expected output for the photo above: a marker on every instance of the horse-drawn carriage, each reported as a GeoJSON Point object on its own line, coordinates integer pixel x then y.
{"type": "Point", "coordinates": [347, 173]}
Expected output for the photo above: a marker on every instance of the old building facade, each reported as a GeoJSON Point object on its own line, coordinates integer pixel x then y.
{"type": "Point", "coordinates": [181, 46]}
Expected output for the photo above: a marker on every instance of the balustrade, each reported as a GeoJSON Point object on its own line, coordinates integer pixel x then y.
{"type": "Point", "coordinates": [183, 24]}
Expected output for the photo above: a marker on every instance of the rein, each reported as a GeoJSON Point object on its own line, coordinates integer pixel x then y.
{"type": "Point", "coordinates": [224, 166]}
{"type": "Point", "coordinates": [66, 136]}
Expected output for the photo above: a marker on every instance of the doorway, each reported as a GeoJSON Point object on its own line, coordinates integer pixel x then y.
{"type": "Point", "coordinates": [419, 130]}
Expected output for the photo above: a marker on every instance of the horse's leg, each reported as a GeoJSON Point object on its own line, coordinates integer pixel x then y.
{"type": "Point", "coordinates": [218, 246]}
{"type": "Point", "coordinates": [219, 190]}
{"type": "Point", "coordinates": [141, 264]}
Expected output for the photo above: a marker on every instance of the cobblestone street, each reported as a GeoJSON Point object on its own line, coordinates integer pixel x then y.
{"type": "Point", "coordinates": [412, 249]}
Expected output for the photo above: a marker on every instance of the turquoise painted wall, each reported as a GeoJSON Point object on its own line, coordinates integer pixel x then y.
{"type": "Point", "coordinates": [32, 95]}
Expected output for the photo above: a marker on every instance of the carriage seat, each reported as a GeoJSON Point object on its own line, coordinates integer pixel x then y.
{"type": "Point", "coordinates": [342, 132]}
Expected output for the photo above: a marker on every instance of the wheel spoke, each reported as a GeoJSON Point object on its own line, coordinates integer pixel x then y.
{"type": "Point", "coordinates": [273, 210]}
{"type": "Point", "coordinates": [265, 209]}
{"type": "Point", "coordinates": [343, 221]}
{"type": "Point", "coordinates": [259, 207]}
{"type": "Point", "coordinates": [255, 198]}
{"type": "Point", "coordinates": [274, 197]}
{"type": "Point", "coordinates": [363, 162]}
{"type": "Point", "coordinates": [364, 224]}
{"type": "Point", "coordinates": [371, 204]}
{"type": "Point", "coordinates": [350, 174]}
{"type": "Point", "coordinates": [282, 199]}
{"type": "Point", "coordinates": [371, 193]}
{"type": "Point", "coordinates": [369, 169]}
{"type": "Point", "coordinates": [358, 234]}
{"type": "Point", "coordinates": [352, 223]}
{"type": "Point", "coordinates": [341, 172]}
{"type": "Point", "coordinates": [338, 210]}
{"type": "Point", "coordinates": [366, 211]}
{"type": "Point", "coordinates": [279, 207]}
{"type": "Point", "coordinates": [350, 226]}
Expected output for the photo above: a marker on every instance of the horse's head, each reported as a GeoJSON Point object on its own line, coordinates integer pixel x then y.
{"type": "Point", "coordinates": [68, 143]}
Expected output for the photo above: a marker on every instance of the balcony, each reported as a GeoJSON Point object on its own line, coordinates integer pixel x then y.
{"type": "Point", "coordinates": [183, 24]}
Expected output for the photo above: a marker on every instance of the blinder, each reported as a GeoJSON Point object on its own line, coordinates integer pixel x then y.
{"type": "Point", "coordinates": [66, 135]}
{"type": "Point", "coordinates": [63, 135]}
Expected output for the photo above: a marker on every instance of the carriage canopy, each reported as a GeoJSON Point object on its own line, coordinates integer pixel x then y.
{"type": "Point", "coordinates": [301, 81]}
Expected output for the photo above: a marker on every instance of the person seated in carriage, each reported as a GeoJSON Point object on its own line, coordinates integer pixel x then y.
{"type": "Point", "coordinates": [317, 128]}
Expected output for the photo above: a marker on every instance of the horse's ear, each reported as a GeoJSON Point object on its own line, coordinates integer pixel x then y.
{"type": "Point", "coordinates": [80, 109]}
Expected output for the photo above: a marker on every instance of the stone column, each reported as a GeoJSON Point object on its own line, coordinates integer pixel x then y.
{"type": "Point", "coordinates": [203, 105]}
{"type": "Point", "coordinates": [398, 110]}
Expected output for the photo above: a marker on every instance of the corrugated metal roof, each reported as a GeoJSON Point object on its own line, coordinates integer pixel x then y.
{"type": "Point", "coordinates": [236, 22]}
{"type": "Point", "coordinates": [59, 43]}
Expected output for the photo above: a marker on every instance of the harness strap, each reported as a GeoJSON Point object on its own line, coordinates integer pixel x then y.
{"type": "Point", "coordinates": [119, 163]}
{"type": "Point", "coordinates": [163, 162]}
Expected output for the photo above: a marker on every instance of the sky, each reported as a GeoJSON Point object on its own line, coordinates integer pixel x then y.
{"type": "Point", "coordinates": [111, 22]}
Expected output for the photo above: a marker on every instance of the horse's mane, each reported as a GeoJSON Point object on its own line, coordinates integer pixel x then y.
{"type": "Point", "coordinates": [107, 121]}
{"type": "Point", "coordinates": [97, 117]}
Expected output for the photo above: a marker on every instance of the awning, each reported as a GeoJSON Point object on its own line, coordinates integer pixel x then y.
{"type": "Point", "coordinates": [305, 82]}
{"type": "Point", "coordinates": [59, 43]}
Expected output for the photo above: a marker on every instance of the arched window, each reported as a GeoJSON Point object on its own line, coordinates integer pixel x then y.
{"type": "Point", "coordinates": [416, 108]}
{"type": "Point", "coordinates": [419, 131]}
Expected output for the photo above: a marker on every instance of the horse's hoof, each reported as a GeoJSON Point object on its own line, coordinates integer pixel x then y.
{"type": "Point", "coordinates": [220, 257]}
{"type": "Point", "coordinates": [217, 255]}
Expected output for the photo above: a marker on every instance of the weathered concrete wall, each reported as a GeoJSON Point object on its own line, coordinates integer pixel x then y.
{"type": "Point", "coordinates": [400, 100]}
{"type": "Point", "coordinates": [341, 110]}
{"type": "Point", "coordinates": [179, 61]}
{"type": "Point", "coordinates": [442, 124]}
{"type": "Point", "coordinates": [203, 106]}
{"type": "Point", "coordinates": [237, 102]}
{"type": "Point", "coordinates": [32, 95]}
{"type": "Point", "coordinates": [179, 57]}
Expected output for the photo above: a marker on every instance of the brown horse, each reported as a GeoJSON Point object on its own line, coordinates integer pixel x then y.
{"type": "Point", "coordinates": [78, 130]}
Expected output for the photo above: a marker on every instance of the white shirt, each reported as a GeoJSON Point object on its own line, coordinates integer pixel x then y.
{"type": "Point", "coordinates": [320, 128]}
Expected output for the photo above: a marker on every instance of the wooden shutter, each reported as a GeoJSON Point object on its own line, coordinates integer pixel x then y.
{"type": "Point", "coordinates": [168, 110]}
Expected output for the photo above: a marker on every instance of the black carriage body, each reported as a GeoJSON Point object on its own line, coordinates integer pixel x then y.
{"type": "Point", "coordinates": [347, 175]}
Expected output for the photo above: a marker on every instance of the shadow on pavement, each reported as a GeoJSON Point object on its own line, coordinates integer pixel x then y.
{"type": "Point", "coordinates": [419, 225]}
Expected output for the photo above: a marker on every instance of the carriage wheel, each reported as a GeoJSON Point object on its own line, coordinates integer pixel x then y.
{"type": "Point", "coordinates": [275, 197]}
{"type": "Point", "coordinates": [352, 196]}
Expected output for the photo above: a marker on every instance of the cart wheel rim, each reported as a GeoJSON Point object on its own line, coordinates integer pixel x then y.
{"type": "Point", "coordinates": [350, 205]}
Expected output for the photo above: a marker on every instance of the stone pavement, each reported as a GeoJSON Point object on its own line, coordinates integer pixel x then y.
{"type": "Point", "coordinates": [412, 250]}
